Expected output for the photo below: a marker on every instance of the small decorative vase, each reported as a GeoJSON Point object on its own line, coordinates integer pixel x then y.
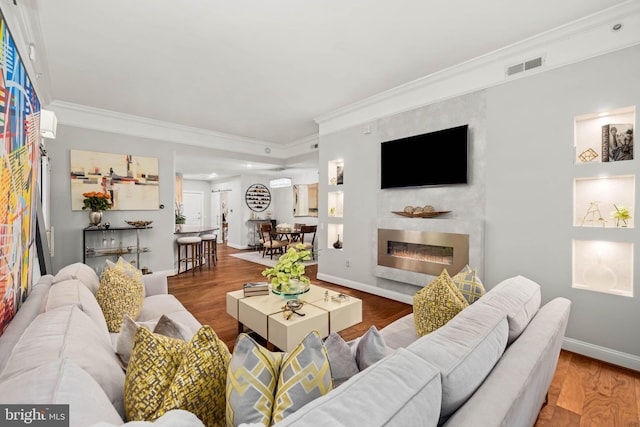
{"type": "Point", "coordinates": [338, 243]}
{"type": "Point", "coordinates": [95, 217]}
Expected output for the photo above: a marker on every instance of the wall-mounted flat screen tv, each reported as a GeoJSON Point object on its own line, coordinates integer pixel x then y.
{"type": "Point", "coordinates": [434, 158]}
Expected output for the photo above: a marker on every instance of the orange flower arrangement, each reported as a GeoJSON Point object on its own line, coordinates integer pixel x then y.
{"type": "Point", "coordinates": [96, 201]}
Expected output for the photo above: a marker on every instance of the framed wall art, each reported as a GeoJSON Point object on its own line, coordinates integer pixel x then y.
{"type": "Point", "coordinates": [132, 181]}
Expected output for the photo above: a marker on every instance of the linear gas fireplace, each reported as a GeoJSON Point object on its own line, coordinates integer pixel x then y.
{"type": "Point", "coordinates": [425, 252]}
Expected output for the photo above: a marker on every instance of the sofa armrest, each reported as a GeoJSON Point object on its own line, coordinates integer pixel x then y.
{"type": "Point", "coordinates": [155, 284]}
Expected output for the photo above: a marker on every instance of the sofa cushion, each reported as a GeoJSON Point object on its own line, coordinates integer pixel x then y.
{"type": "Point", "coordinates": [341, 359]}
{"type": "Point", "coordinates": [173, 418]}
{"type": "Point", "coordinates": [519, 298]}
{"type": "Point", "coordinates": [61, 381]}
{"type": "Point", "coordinates": [119, 294]}
{"type": "Point", "coordinates": [153, 307]}
{"type": "Point", "coordinates": [67, 332]}
{"type": "Point", "coordinates": [125, 267]}
{"type": "Point", "coordinates": [402, 390]}
{"type": "Point", "coordinates": [163, 326]}
{"type": "Point", "coordinates": [79, 271]}
{"type": "Point", "coordinates": [464, 352]}
{"type": "Point", "coordinates": [29, 310]}
{"type": "Point", "coordinates": [400, 333]}
{"type": "Point", "coordinates": [265, 387]}
{"type": "Point", "coordinates": [347, 359]}
{"type": "Point", "coordinates": [469, 284]}
{"type": "Point", "coordinates": [166, 373]}
{"type": "Point", "coordinates": [436, 304]}
{"type": "Point", "coordinates": [74, 292]}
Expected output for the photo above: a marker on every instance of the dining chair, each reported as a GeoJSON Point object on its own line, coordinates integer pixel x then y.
{"type": "Point", "coordinates": [271, 245]}
{"type": "Point", "coordinates": [308, 238]}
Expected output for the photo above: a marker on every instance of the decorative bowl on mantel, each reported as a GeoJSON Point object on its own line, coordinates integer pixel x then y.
{"type": "Point", "coordinates": [420, 214]}
{"type": "Point", "coordinates": [138, 224]}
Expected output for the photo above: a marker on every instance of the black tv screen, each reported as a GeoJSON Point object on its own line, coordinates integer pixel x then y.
{"type": "Point", "coordinates": [434, 158]}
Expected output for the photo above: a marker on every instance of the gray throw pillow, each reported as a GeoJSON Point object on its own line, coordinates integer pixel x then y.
{"type": "Point", "coordinates": [371, 349]}
{"type": "Point", "coordinates": [343, 364]}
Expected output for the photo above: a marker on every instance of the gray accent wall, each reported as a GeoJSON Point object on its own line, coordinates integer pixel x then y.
{"type": "Point", "coordinates": [529, 193]}
{"type": "Point", "coordinates": [68, 224]}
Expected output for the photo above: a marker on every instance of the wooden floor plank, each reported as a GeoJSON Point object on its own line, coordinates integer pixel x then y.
{"type": "Point", "coordinates": [584, 392]}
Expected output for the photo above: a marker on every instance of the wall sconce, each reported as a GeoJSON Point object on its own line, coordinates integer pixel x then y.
{"type": "Point", "coordinates": [280, 182]}
{"type": "Point", "coordinates": [48, 124]}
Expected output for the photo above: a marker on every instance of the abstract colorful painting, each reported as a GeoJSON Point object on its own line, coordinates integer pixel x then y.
{"type": "Point", "coordinates": [131, 180]}
{"type": "Point", "coordinates": [19, 130]}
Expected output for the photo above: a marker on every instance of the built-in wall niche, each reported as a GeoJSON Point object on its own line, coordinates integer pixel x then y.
{"type": "Point", "coordinates": [606, 202]}
{"type": "Point", "coordinates": [334, 236]}
{"type": "Point", "coordinates": [603, 266]}
{"type": "Point", "coordinates": [594, 141]}
{"type": "Point", "coordinates": [336, 172]}
{"type": "Point", "coordinates": [336, 203]}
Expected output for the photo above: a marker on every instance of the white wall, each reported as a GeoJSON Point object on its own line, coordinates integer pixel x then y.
{"type": "Point", "coordinates": [530, 174]}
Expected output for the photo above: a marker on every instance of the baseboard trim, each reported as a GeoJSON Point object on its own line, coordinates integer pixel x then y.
{"type": "Point", "coordinates": [386, 293]}
{"type": "Point", "coordinates": [605, 354]}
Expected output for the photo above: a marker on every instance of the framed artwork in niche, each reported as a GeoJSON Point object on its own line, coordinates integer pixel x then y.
{"type": "Point", "coordinates": [20, 129]}
{"type": "Point", "coordinates": [132, 181]}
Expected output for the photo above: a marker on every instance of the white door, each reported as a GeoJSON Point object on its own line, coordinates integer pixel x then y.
{"type": "Point", "coordinates": [193, 202]}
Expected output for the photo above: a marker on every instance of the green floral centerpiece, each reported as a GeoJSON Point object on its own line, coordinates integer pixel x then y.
{"type": "Point", "coordinates": [287, 276]}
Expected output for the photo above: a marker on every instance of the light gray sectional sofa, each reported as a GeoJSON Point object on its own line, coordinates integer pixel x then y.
{"type": "Point", "coordinates": [58, 350]}
{"type": "Point", "coordinates": [490, 366]}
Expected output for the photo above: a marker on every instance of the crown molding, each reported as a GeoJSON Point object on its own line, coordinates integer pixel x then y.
{"type": "Point", "coordinates": [571, 43]}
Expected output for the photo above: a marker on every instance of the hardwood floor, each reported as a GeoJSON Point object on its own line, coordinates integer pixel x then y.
{"type": "Point", "coordinates": [584, 391]}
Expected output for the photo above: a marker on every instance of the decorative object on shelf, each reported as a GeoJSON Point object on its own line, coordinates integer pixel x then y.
{"type": "Point", "coordinates": [332, 212]}
{"type": "Point", "coordinates": [96, 202]}
{"type": "Point", "coordinates": [588, 155]}
{"type": "Point", "coordinates": [617, 142]}
{"type": "Point", "coordinates": [408, 209]}
{"type": "Point", "coordinates": [333, 181]}
{"type": "Point", "coordinates": [257, 197]}
{"type": "Point", "coordinates": [428, 208]}
{"type": "Point", "coordinates": [594, 212]}
{"type": "Point", "coordinates": [338, 243]}
{"type": "Point", "coordinates": [420, 214]}
{"type": "Point", "coordinates": [621, 214]}
{"type": "Point", "coordinates": [180, 217]}
{"type": "Point", "coordinates": [287, 276]}
{"type": "Point", "coordinates": [139, 224]}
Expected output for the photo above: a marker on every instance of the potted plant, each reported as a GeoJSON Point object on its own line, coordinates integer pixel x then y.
{"type": "Point", "coordinates": [180, 218]}
{"type": "Point", "coordinates": [96, 202]}
{"type": "Point", "coordinates": [621, 214]}
{"type": "Point", "coordinates": [287, 276]}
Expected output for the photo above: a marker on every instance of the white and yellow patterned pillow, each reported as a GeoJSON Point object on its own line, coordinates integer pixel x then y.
{"type": "Point", "coordinates": [469, 284]}
{"type": "Point", "coordinates": [126, 267]}
{"type": "Point", "coordinates": [167, 373]}
{"type": "Point", "coordinates": [264, 387]}
{"type": "Point", "coordinates": [436, 304]}
{"type": "Point", "coordinates": [119, 294]}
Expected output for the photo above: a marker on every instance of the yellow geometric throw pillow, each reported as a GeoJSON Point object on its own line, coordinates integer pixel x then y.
{"type": "Point", "coordinates": [469, 284]}
{"type": "Point", "coordinates": [166, 373]}
{"type": "Point", "coordinates": [119, 294]}
{"type": "Point", "coordinates": [436, 304]}
{"type": "Point", "coordinates": [264, 387]}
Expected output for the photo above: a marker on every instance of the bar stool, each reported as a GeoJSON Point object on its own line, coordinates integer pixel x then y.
{"type": "Point", "coordinates": [209, 248]}
{"type": "Point", "coordinates": [189, 242]}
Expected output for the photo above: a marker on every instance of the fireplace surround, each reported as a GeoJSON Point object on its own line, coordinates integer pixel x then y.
{"type": "Point", "coordinates": [426, 252]}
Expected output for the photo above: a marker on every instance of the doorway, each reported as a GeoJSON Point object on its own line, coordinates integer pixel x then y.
{"type": "Point", "coordinates": [193, 202]}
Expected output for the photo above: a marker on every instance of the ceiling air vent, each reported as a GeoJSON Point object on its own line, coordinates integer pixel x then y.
{"type": "Point", "coordinates": [524, 66]}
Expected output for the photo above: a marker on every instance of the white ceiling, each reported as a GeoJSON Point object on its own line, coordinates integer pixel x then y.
{"type": "Point", "coordinates": [265, 69]}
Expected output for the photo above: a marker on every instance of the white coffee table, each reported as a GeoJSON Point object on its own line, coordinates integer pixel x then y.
{"type": "Point", "coordinates": [264, 315]}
